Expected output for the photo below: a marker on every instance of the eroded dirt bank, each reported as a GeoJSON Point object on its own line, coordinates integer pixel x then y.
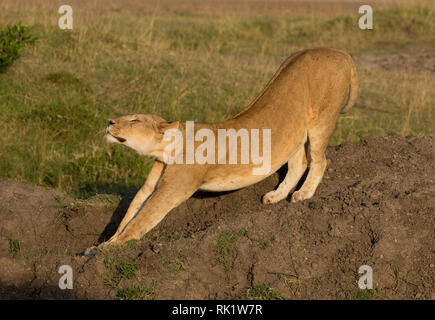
{"type": "Point", "coordinates": [375, 206]}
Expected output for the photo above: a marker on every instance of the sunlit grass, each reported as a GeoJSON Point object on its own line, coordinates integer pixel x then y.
{"type": "Point", "coordinates": [55, 100]}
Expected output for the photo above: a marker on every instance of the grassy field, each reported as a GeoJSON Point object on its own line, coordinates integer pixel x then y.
{"type": "Point", "coordinates": [187, 64]}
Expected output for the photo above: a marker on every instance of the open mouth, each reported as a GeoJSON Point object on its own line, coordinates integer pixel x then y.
{"type": "Point", "coordinates": [119, 139]}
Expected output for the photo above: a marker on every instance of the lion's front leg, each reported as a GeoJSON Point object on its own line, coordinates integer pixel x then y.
{"type": "Point", "coordinates": [143, 193]}
{"type": "Point", "coordinates": [176, 185]}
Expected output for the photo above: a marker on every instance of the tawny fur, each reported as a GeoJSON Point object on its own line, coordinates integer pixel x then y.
{"type": "Point", "coordinates": [300, 105]}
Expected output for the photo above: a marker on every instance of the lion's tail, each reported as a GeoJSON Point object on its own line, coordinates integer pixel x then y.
{"type": "Point", "coordinates": [353, 88]}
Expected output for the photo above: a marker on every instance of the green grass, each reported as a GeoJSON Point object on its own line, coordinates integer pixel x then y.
{"type": "Point", "coordinates": [174, 266]}
{"type": "Point", "coordinates": [261, 292]}
{"type": "Point", "coordinates": [60, 202]}
{"type": "Point", "coordinates": [399, 278]}
{"type": "Point", "coordinates": [117, 269]}
{"type": "Point", "coordinates": [362, 295]}
{"type": "Point", "coordinates": [107, 201]}
{"type": "Point", "coordinates": [56, 98]}
{"type": "Point", "coordinates": [224, 249]}
{"type": "Point", "coordinates": [128, 269]}
{"type": "Point", "coordinates": [12, 40]}
{"type": "Point", "coordinates": [136, 293]}
{"type": "Point", "coordinates": [350, 289]}
{"type": "Point", "coordinates": [14, 246]}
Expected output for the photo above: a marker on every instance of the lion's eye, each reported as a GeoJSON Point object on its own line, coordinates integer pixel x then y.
{"type": "Point", "coordinates": [134, 121]}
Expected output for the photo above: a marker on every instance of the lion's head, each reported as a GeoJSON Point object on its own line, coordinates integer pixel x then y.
{"type": "Point", "coordinates": [140, 132]}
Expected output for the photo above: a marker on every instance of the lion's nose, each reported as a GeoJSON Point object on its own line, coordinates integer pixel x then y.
{"type": "Point", "coordinates": [111, 122]}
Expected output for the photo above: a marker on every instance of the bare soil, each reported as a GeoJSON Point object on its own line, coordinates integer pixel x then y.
{"type": "Point", "coordinates": [375, 206]}
{"type": "Point", "coordinates": [414, 59]}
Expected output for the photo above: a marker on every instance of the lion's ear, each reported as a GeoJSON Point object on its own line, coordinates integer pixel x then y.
{"type": "Point", "coordinates": [161, 127]}
{"type": "Point", "coordinates": [155, 118]}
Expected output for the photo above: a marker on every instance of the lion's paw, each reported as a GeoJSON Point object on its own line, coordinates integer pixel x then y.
{"type": "Point", "coordinates": [91, 251]}
{"type": "Point", "coordinates": [301, 195]}
{"type": "Point", "coordinates": [271, 197]}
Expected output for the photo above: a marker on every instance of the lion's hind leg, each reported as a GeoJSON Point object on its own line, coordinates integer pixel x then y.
{"type": "Point", "coordinates": [297, 165]}
{"type": "Point", "coordinates": [318, 141]}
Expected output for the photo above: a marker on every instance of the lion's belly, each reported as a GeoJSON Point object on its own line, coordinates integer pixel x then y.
{"type": "Point", "coordinates": [226, 179]}
{"type": "Point", "coordinates": [228, 184]}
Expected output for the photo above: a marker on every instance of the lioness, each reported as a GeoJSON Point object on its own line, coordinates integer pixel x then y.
{"type": "Point", "coordinates": [300, 104]}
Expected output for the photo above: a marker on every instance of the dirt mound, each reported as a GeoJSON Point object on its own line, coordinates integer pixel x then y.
{"type": "Point", "coordinates": [374, 207]}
